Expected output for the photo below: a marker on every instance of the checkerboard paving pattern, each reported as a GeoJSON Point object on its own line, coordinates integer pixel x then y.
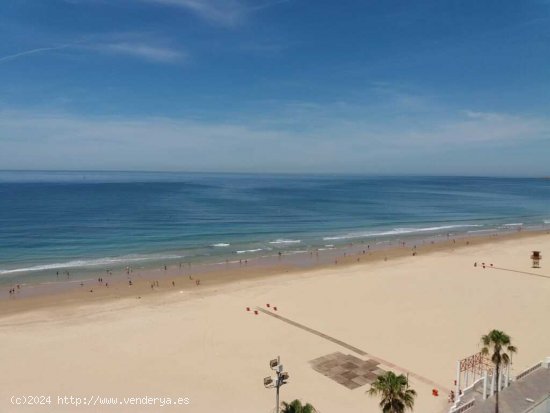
{"type": "Point", "coordinates": [347, 370]}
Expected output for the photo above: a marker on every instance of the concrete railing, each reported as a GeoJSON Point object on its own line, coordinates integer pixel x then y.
{"type": "Point", "coordinates": [462, 408]}
{"type": "Point", "coordinates": [529, 370]}
{"type": "Point", "coordinates": [467, 399]}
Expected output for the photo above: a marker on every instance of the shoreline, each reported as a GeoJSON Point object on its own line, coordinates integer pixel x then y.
{"type": "Point", "coordinates": [146, 282]}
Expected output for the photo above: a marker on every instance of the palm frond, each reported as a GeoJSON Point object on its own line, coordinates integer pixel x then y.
{"type": "Point", "coordinates": [498, 344]}
{"type": "Point", "coordinates": [296, 406]}
{"type": "Point", "coordinates": [394, 395]}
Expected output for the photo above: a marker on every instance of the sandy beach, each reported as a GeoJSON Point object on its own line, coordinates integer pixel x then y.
{"type": "Point", "coordinates": [412, 314]}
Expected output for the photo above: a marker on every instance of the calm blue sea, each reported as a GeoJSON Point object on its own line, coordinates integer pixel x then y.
{"type": "Point", "coordinates": [55, 221]}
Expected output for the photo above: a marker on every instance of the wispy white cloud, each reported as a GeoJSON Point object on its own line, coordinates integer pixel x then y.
{"type": "Point", "coordinates": [498, 127]}
{"type": "Point", "coordinates": [32, 52]}
{"type": "Point", "coordinates": [142, 51]}
{"type": "Point", "coordinates": [136, 49]}
{"type": "Point", "coordinates": [487, 116]}
{"type": "Point", "coordinates": [221, 12]}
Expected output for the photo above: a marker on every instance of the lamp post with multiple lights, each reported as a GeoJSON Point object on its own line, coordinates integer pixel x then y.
{"type": "Point", "coordinates": [280, 379]}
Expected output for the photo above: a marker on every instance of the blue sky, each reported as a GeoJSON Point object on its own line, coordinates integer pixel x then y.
{"type": "Point", "coordinates": [359, 86]}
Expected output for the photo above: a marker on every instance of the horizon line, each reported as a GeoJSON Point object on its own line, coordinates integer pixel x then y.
{"type": "Point", "coordinates": [332, 173]}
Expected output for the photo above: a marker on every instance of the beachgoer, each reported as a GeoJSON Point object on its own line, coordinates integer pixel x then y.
{"type": "Point", "coordinates": [452, 397]}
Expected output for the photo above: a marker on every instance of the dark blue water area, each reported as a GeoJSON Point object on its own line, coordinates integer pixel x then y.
{"type": "Point", "coordinates": [58, 220]}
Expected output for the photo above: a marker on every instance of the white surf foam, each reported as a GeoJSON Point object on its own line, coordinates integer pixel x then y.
{"type": "Point", "coordinates": [296, 252]}
{"type": "Point", "coordinates": [513, 224]}
{"type": "Point", "coordinates": [396, 231]}
{"type": "Point", "coordinates": [89, 263]}
{"type": "Point", "coordinates": [220, 244]}
{"type": "Point", "coordinates": [286, 241]}
{"type": "Point", "coordinates": [245, 251]}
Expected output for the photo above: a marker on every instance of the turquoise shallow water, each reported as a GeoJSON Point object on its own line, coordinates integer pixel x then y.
{"type": "Point", "coordinates": [56, 221]}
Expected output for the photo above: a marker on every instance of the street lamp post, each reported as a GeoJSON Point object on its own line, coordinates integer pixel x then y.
{"type": "Point", "coordinates": [280, 379]}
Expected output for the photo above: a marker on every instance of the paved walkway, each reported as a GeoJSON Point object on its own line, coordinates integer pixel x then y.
{"type": "Point", "coordinates": [356, 350]}
{"type": "Point", "coordinates": [532, 274]}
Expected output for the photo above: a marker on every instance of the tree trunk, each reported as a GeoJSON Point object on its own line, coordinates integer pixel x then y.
{"type": "Point", "coordinates": [497, 373]}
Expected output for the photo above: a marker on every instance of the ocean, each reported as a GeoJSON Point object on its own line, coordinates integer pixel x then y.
{"type": "Point", "coordinates": [93, 221]}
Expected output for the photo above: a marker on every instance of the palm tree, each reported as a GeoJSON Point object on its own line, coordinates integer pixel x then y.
{"type": "Point", "coordinates": [394, 391]}
{"type": "Point", "coordinates": [296, 406]}
{"type": "Point", "coordinates": [498, 343]}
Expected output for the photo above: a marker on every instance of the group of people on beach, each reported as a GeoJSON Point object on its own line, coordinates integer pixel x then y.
{"type": "Point", "coordinates": [157, 284]}
{"type": "Point", "coordinates": [13, 290]}
{"type": "Point", "coordinates": [64, 273]}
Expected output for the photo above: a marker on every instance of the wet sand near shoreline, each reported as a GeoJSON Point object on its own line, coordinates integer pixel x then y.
{"type": "Point", "coordinates": [61, 290]}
